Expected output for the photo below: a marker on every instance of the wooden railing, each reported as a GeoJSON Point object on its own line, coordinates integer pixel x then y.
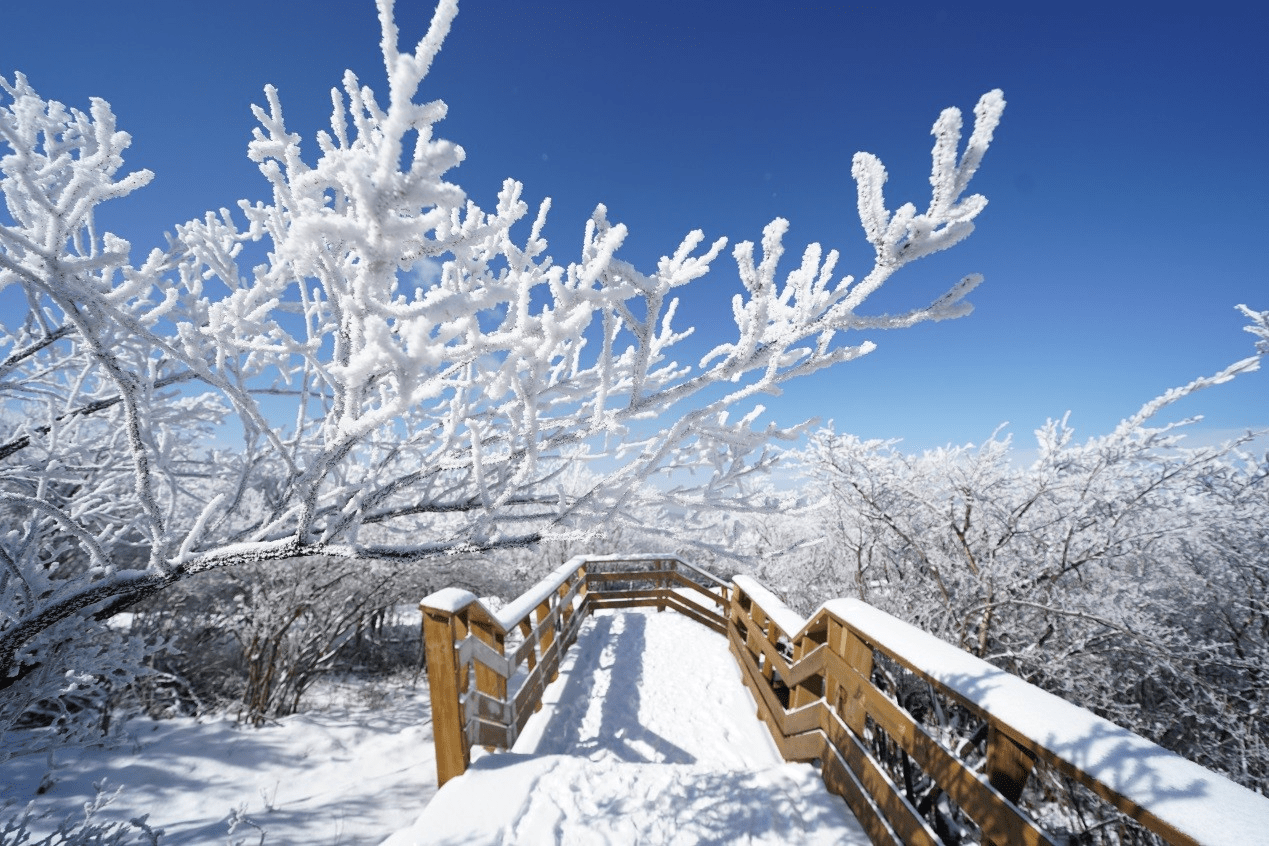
{"type": "Point", "coordinates": [983, 746]}
{"type": "Point", "coordinates": [487, 669]}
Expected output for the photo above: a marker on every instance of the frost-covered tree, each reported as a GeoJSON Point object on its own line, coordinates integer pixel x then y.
{"type": "Point", "coordinates": [1125, 572]}
{"type": "Point", "coordinates": [410, 375]}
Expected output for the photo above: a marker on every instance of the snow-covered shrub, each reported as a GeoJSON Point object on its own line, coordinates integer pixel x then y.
{"type": "Point", "coordinates": [427, 414]}
{"type": "Point", "coordinates": [81, 830]}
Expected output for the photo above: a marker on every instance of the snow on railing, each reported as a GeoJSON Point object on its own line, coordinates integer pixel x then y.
{"type": "Point", "coordinates": [487, 670]}
{"type": "Point", "coordinates": [834, 687]}
{"type": "Point", "coordinates": [926, 743]}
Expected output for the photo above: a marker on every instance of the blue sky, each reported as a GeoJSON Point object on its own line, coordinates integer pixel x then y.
{"type": "Point", "coordinates": [1128, 183]}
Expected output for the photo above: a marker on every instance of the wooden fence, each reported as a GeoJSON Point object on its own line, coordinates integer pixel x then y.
{"type": "Point", "coordinates": [828, 689]}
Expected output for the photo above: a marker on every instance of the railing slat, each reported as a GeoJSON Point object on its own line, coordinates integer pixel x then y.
{"type": "Point", "coordinates": [839, 779]}
{"type": "Point", "coordinates": [905, 820]}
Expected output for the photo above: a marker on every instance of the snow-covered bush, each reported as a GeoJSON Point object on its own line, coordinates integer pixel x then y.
{"type": "Point", "coordinates": [81, 830]}
{"type": "Point", "coordinates": [439, 372]}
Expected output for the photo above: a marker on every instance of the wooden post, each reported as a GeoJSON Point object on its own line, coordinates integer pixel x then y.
{"type": "Point", "coordinates": [439, 638]}
{"type": "Point", "coordinates": [662, 584]}
{"type": "Point", "coordinates": [1008, 764]}
{"type": "Point", "coordinates": [526, 631]}
{"type": "Point", "coordinates": [546, 636]}
{"type": "Point", "coordinates": [764, 625]}
{"type": "Point", "coordinates": [834, 635]}
{"type": "Point", "coordinates": [565, 609]}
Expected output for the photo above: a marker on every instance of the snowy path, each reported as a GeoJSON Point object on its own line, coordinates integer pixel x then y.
{"type": "Point", "coordinates": [648, 737]}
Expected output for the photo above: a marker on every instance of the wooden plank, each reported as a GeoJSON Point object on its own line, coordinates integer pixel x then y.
{"type": "Point", "coordinates": [694, 612]}
{"type": "Point", "coordinates": [484, 707]}
{"type": "Point", "coordinates": [490, 735]}
{"type": "Point", "coordinates": [784, 722]}
{"type": "Point", "coordinates": [528, 649]}
{"type": "Point", "coordinates": [840, 780]}
{"type": "Point", "coordinates": [807, 746]}
{"type": "Point", "coordinates": [716, 599]}
{"type": "Point", "coordinates": [902, 817]}
{"type": "Point", "coordinates": [806, 673]}
{"type": "Point", "coordinates": [632, 576]}
{"type": "Point", "coordinates": [654, 597]}
{"type": "Point", "coordinates": [489, 658]}
{"type": "Point", "coordinates": [809, 665]}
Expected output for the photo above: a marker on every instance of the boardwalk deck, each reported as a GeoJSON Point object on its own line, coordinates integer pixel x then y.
{"type": "Point", "coordinates": [648, 736]}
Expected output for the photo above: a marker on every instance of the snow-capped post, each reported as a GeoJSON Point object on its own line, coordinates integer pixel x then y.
{"type": "Point", "coordinates": [443, 629]}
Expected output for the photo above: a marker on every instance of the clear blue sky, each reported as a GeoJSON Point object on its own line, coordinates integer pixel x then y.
{"type": "Point", "coordinates": [1128, 184]}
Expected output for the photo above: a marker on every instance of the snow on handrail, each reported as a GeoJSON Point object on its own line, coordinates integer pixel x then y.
{"type": "Point", "coordinates": [513, 612]}
{"type": "Point", "coordinates": [789, 621]}
{"type": "Point", "coordinates": [453, 600]}
{"type": "Point", "coordinates": [1192, 799]}
{"type": "Point", "coordinates": [1176, 798]}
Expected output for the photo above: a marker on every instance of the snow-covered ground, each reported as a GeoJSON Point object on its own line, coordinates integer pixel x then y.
{"type": "Point", "coordinates": [348, 774]}
{"type": "Point", "coordinates": [648, 737]}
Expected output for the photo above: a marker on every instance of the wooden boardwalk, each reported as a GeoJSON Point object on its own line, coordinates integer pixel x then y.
{"type": "Point", "coordinates": [926, 744]}
{"type": "Point", "coordinates": [635, 744]}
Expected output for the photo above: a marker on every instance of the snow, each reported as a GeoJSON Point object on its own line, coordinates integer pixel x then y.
{"type": "Point", "coordinates": [518, 609]}
{"type": "Point", "coordinates": [648, 737]}
{"type": "Point", "coordinates": [450, 599]}
{"type": "Point", "coordinates": [1191, 798]}
{"type": "Point", "coordinates": [788, 620]}
{"type": "Point", "coordinates": [509, 799]}
{"type": "Point", "coordinates": [350, 773]}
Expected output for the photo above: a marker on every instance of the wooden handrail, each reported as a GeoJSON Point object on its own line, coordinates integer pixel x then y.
{"type": "Point", "coordinates": [467, 642]}
{"type": "Point", "coordinates": [836, 713]}
{"type": "Point", "coordinates": [822, 690]}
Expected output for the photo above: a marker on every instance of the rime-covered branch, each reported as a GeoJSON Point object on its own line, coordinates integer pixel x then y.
{"type": "Point", "coordinates": [408, 374]}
